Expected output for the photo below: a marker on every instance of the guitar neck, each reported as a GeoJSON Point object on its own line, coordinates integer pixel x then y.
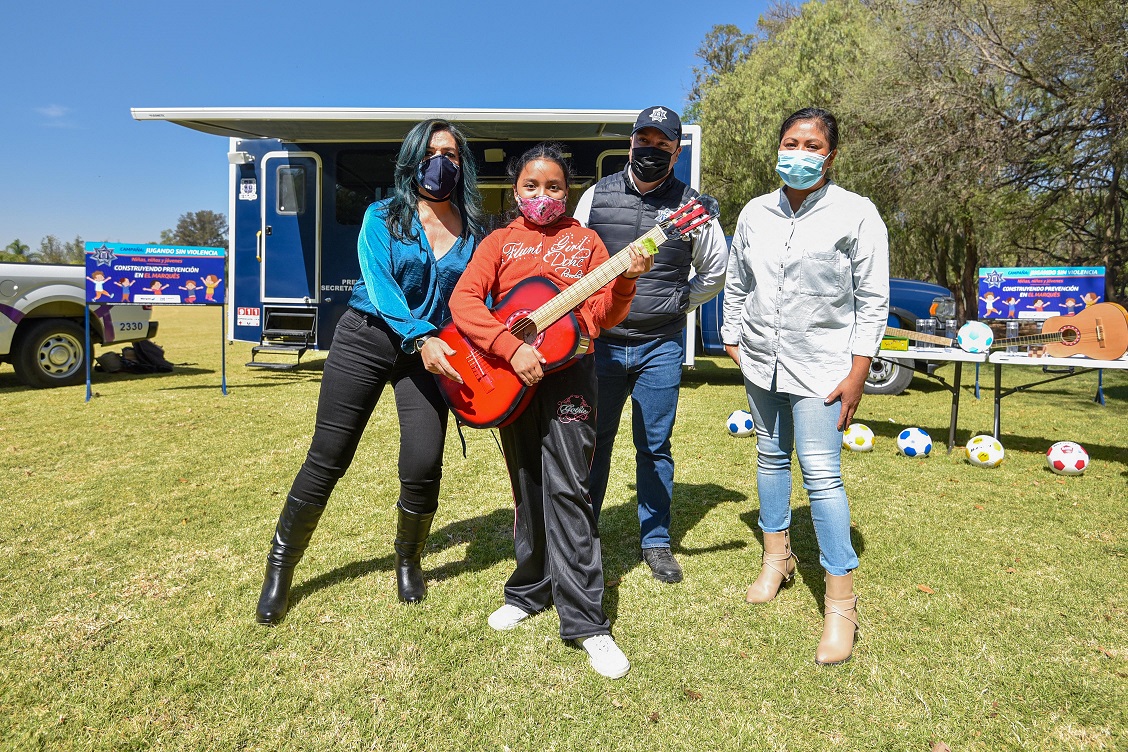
{"type": "Point", "coordinates": [1028, 339]}
{"type": "Point", "coordinates": [933, 339]}
{"type": "Point", "coordinates": [591, 282]}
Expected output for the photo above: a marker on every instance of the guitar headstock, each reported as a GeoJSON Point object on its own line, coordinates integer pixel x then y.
{"type": "Point", "coordinates": [690, 217]}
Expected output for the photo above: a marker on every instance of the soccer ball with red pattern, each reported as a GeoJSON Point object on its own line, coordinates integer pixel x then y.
{"type": "Point", "coordinates": [1067, 458]}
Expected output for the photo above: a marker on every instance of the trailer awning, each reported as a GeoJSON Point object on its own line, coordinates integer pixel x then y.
{"type": "Point", "coordinates": [328, 124]}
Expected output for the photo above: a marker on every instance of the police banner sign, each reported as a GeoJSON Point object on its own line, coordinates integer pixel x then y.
{"type": "Point", "coordinates": [130, 274]}
{"type": "Point", "coordinates": [1038, 292]}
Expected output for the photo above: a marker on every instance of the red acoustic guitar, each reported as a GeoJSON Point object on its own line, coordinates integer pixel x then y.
{"type": "Point", "coordinates": [539, 313]}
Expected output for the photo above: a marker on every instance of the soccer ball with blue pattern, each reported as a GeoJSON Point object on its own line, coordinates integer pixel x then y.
{"type": "Point", "coordinates": [913, 442]}
{"type": "Point", "coordinates": [858, 437]}
{"type": "Point", "coordinates": [975, 337]}
{"type": "Point", "coordinates": [984, 451]}
{"type": "Point", "coordinates": [740, 423]}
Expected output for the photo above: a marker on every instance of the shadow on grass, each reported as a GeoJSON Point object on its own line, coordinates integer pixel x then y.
{"type": "Point", "coordinates": [708, 372]}
{"type": "Point", "coordinates": [489, 541]}
{"type": "Point", "coordinates": [489, 538]}
{"type": "Point", "coordinates": [805, 546]}
{"type": "Point", "coordinates": [619, 532]}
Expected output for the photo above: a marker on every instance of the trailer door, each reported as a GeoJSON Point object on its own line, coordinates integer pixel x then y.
{"type": "Point", "coordinates": [290, 240]}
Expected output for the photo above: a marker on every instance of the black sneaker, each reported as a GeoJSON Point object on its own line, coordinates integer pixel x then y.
{"type": "Point", "coordinates": [662, 564]}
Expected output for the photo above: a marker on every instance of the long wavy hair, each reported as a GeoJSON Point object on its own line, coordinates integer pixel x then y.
{"type": "Point", "coordinates": [405, 191]}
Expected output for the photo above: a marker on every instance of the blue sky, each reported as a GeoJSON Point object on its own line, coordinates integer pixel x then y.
{"type": "Point", "coordinates": [78, 164]}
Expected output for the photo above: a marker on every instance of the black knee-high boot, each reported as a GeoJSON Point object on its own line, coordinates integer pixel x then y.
{"type": "Point", "coordinates": [412, 530]}
{"type": "Point", "coordinates": [291, 537]}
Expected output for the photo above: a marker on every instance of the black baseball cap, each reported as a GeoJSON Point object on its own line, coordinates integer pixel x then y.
{"type": "Point", "coordinates": [662, 118]}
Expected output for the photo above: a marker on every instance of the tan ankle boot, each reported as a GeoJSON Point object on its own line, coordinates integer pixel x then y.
{"type": "Point", "coordinates": [778, 568]}
{"type": "Point", "coordinates": [840, 622]}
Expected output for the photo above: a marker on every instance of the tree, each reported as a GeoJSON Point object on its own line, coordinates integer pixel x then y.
{"type": "Point", "coordinates": [52, 251]}
{"type": "Point", "coordinates": [802, 58]}
{"type": "Point", "coordinates": [203, 228]}
{"type": "Point", "coordinates": [15, 252]}
{"type": "Point", "coordinates": [724, 47]}
{"type": "Point", "coordinates": [987, 132]}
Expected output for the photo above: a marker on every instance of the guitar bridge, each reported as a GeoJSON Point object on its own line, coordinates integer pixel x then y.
{"type": "Point", "coordinates": [473, 357]}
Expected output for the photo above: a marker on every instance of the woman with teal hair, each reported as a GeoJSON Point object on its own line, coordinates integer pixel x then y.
{"type": "Point", "coordinates": [413, 248]}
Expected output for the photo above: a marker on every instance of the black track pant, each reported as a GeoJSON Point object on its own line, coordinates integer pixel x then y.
{"type": "Point", "coordinates": [548, 454]}
{"type": "Point", "coordinates": [365, 357]}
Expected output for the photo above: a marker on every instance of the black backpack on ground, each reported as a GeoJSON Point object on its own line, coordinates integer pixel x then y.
{"type": "Point", "coordinates": [148, 357]}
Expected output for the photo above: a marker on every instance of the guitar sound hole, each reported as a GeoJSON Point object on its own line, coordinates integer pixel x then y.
{"type": "Point", "coordinates": [523, 328]}
{"type": "Point", "coordinates": [1070, 335]}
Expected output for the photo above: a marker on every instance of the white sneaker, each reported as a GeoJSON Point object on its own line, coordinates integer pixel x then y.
{"type": "Point", "coordinates": [605, 656]}
{"type": "Point", "coordinates": [507, 617]}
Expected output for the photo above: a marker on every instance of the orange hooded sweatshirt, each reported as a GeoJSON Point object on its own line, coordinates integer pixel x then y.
{"type": "Point", "coordinates": [562, 252]}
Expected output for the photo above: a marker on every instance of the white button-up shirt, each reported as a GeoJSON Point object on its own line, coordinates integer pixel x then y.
{"type": "Point", "coordinates": [806, 290]}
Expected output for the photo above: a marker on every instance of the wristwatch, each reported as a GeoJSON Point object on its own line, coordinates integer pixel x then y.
{"type": "Point", "coordinates": [419, 341]}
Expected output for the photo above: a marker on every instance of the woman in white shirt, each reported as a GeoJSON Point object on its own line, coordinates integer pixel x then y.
{"type": "Point", "coordinates": [806, 303]}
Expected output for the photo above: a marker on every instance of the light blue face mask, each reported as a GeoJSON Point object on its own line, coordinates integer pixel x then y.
{"type": "Point", "coordinates": [800, 169]}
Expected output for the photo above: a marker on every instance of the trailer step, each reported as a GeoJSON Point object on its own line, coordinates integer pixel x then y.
{"type": "Point", "coordinates": [279, 333]}
{"type": "Point", "coordinates": [272, 366]}
{"type": "Point", "coordinates": [299, 350]}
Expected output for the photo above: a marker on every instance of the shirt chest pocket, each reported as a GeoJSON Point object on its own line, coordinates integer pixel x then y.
{"type": "Point", "coordinates": [825, 272]}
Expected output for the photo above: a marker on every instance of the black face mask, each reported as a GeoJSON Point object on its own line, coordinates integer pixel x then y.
{"type": "Point", "coordinates": [650, 164]}
{"type": "Point", "coordinates": [438, 175]}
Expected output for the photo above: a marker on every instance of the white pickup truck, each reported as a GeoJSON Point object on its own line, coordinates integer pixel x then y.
{"type": "Point", "coordinates": [41, 323]}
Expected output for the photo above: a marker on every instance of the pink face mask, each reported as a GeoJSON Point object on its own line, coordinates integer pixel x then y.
{"type": "Point", "coordinates": [542, 210]}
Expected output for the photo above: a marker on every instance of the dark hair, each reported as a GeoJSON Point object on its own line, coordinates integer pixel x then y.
{"type": "Point", "coordinates": [827, 122]}
{"type": "Point", "coordinates": [405, 191]}
{"type": "Point", "coordinates": [549, 151]}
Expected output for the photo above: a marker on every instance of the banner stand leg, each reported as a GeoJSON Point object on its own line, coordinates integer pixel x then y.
{"type": "Point", "coordinates": [223, 348]}
{"type": "Point", "coordinates": [88, 355]}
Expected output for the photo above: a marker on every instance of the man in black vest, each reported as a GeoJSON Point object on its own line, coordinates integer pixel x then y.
{"type": "Point", "coordinates": [643, 355]}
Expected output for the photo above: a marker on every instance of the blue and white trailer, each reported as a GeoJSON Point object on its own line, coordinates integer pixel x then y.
{"type": "Point", "coordinates": [301, 178]}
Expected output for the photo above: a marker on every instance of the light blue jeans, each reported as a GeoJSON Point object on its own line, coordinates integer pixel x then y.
{"type": "Point", "coordinates": [805, 425]}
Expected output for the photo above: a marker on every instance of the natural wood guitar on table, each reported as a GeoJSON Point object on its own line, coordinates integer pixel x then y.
{"type": "Point", "coordinates": [1099, 332]}
{"type": "Point", "coordinates": [539, 313]}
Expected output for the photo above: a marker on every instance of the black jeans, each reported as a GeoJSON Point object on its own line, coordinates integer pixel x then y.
{"type": "Point", "coordinates": [365, 356]}
{"type": "Point", "coordinates": [547, 453]}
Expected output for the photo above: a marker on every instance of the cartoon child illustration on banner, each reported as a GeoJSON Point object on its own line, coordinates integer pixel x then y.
{"type": "Point", "coordinates": [124, 283]}
{"type": "Point", "coordinates": [210, 282]}
{"type": "Point", "coordinates": [99, 280]}
{"type": "Point", "coordinates": [189, 285]}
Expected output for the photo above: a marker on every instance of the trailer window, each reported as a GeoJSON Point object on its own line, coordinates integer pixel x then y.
{"type": "Point", "coordinates": [363, 176]}
{"type": "Point", "coordinates": [291, 190]}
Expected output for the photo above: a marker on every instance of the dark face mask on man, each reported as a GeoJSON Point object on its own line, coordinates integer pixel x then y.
{"type": "Point", "coordinates": [650, 164]}
{"type": "Point", "coordinates": [438, 175]}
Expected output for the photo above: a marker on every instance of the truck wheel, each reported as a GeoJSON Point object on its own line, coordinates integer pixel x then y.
{"type": "Point", "coordinates": [888, 376]}
{"type": "Point", "coordinates": [49, 353]}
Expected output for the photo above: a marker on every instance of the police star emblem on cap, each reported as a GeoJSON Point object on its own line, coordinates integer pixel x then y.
{"type": "Point", "coordinates": [658, 114]}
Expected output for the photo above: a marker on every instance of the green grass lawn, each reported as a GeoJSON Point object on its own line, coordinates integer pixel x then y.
{"type": "Point", "coordinates": [134, 530]}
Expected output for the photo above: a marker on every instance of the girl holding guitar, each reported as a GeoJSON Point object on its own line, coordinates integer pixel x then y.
{"type": "Point", "coordinates": [548, 447]}
{"type": "Point", "coordinates": [412, 249]}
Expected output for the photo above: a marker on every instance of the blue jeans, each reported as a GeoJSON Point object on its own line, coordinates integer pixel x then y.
{"type": "Point", "coordinates": [787, 423]}
{"type": "Point", "coordinates": [650, 372]}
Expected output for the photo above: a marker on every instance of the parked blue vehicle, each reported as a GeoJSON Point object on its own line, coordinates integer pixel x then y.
{"type": "Point", "coordinates": [909, 299]}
